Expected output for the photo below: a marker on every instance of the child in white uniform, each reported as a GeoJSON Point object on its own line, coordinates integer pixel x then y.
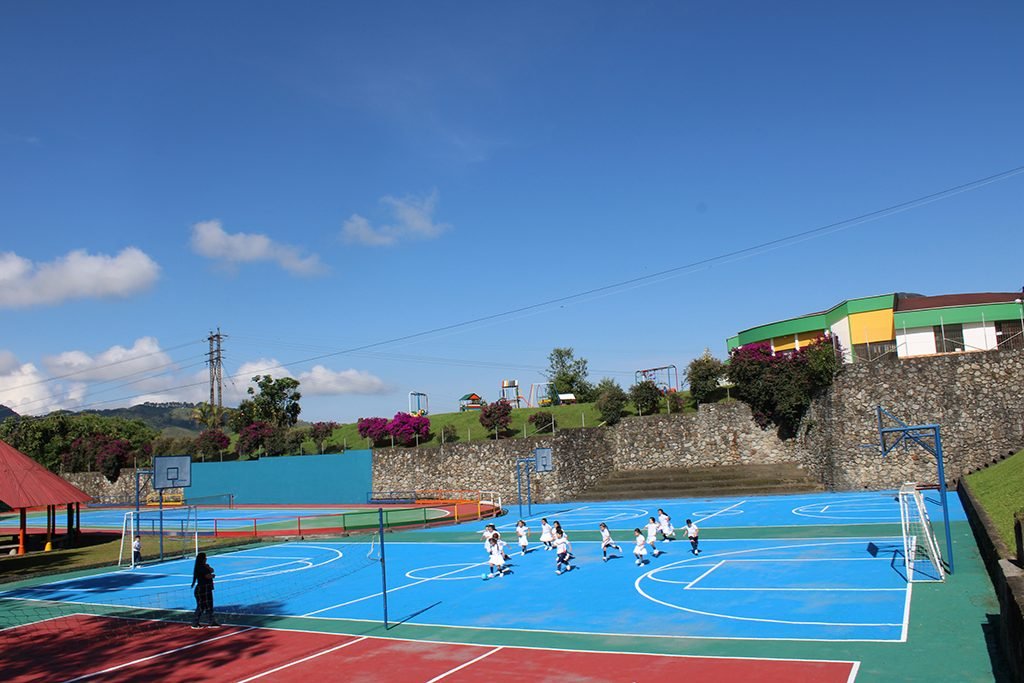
{"type": "Point", "coordinates": [606, 541]}
{"type": "Point", "coordinates": [546, 534]}
{"type": "Point", "coordinates": [668, 532]}
{"type": "Point", "coordinates": [652, 536]}
{"type": "Point", "coordinates": [693, 533]}
{"type": "Point", "coordinates": [640, 549]}
{"type": "Point", "coordinates": [522, 531]}
{"type": "Point", "coordinates": [488, 534]}
{"type": "Point", "coordinates": [496, 558]}
{"type": "Point", "coordinates": [563, 550]}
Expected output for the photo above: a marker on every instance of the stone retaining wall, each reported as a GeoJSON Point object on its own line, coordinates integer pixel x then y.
{"type": "Point", "coordinates": [978, 398]}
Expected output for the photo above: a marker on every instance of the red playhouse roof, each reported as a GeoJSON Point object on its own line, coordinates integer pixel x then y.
{"type": "Point", "coordinates": [24, 483]}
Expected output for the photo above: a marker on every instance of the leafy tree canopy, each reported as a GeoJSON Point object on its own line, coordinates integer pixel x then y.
{"type": "Point", "coordinates": [274, 401]}
{"type": "Point", "coordinates": [568, 375]}
{"type": "Point", "coordinates": [703, 374]}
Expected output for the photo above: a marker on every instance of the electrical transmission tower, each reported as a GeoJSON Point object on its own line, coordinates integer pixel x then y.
{"type": "Point", "coordinates": [214, 360]}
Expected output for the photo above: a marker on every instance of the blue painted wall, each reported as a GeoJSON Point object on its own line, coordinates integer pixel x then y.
{"type": "Point", "coordinates": [311, 479]}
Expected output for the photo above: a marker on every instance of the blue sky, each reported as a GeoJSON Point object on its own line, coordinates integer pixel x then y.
{"type": "Point", "coordinates": [321, 177]}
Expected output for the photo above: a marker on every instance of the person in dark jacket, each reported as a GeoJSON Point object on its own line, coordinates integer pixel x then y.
{"type": "Point", "coordinates": [202, 584]}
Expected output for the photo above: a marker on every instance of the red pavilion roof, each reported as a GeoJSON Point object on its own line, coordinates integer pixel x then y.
{"type": "Point", "coordinates": [24, 483]}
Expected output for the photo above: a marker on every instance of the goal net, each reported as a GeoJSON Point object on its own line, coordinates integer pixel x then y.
{"type": "Point", "coordinates": [920, 549]}
{"type": "Point", "coordinates": [177, 534]}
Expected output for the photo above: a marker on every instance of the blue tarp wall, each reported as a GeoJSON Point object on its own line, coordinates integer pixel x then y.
{"type": "Point", "coordinates": [297, 479]}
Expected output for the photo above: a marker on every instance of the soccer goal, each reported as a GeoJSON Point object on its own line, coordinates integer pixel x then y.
{"type": "Point", "coordinates": [920, 549]}
{"type": "Point", "coordinates": [173, 533]}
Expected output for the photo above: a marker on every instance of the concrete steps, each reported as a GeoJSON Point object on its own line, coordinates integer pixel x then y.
{"type": "Point", "coordinates": [726, 480]}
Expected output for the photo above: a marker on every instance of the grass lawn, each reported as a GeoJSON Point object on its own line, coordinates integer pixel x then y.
{"type": "Point", "coordinates": [93, 550]}
{"type": "Point", "coordinates": [1000, 490]}
{"type": "Point", "coordinates": [468, 428]}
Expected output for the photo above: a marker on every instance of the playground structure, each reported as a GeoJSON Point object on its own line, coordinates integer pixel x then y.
{"type": "Point", "coordinates": [540, 395]}
{"type": "Point", "coordinates": [510, 392]}
{"type": "Point", "coordinates": [422, 401]}
{"type": "Point", "coordinates": [666, 378]}
{"type": "Point", "coordinates": [470, 401]}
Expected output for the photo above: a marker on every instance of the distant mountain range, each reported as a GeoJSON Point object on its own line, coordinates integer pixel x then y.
{"type": "Point", "coordinates": [169, 418]}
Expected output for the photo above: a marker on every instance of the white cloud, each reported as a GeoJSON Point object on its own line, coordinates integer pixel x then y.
{"type": "Point", "coordinates": [412, 217]}
{"type": "Point", "coordinates": [209, 239]}
{"type": "Point", "coordinates": [318, 381]}
{"type": "Point", "coordinates": [24, 390]}
{"type": "Point", "coordinates": [117, 362]}
{"type": "Point", "coordinates": [78, 275]}
{"type": "Point", "coordinates": [8, 361]}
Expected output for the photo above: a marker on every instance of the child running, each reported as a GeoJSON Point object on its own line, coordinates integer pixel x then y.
{"type": "Point", "coordinates": [547, 534]}
{"type": "Point", "coordinates": [496, 559]}
{"type": "Point", "coordinates": [692, 533]}
{"type": "Point", "coordinates": [640, 549]}
{"type": "Point", "coordinates": [668, 532]}
{"type": "Point", "coordinates": [652, 536]}
{"type": "Point", "coordinates": [523, 532]}
{"type": "Point", "coordinates": [558, 530]}
{"type": "Point", "coordinates": [563, 552]}
{"type": "Point", "coordinates": [488, 534]}
{"type": "Point", "coordinates": [606, 541]}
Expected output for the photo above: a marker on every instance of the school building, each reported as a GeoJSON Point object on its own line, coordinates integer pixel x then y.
{"type": "Point", "coordinates": [905, 325]}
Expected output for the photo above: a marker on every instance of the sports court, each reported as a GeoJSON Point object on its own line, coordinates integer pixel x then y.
{"type": "Point", "coordinates": [807, 587]}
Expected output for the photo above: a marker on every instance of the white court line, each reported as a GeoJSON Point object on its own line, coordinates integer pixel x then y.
{"type": "Point", "coordinates": [304, 659]}
{"type": "Point", "coordinates": [636, 586]}
{"type": "Point", "coordinates": [158, 654]}
{"type": "Point", "coordinates": [704, 519]}
{"type": "Point", "coordinates": [448, 673]}
{"type": "Point", "coordinates": [713, 568]}
{"type": "Point", "coordinates": [825, 509]}
{"type": "Point", "coordinates": [393, 590]}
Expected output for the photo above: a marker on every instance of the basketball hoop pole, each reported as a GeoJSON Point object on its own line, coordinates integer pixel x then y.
{"type": "Point", "coordinates": [919, 435]}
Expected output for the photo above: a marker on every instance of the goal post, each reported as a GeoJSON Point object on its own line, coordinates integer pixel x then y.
{"type": "Point", "coordinates": [177, 534]}
{"type": "Point", "coordinates": [920, 548]}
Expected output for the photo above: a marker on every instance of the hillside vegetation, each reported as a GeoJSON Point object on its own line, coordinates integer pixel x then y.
{"type": "Point", "coordinates": [1000, 490]}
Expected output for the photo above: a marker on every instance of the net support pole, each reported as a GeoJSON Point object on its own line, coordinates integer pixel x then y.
{"type": "Point", "coordinates": [945, 503]}
{"type": "Point", "coordinates": [383, 565]}
{"type": "Point", "coordinates": [161, 525]}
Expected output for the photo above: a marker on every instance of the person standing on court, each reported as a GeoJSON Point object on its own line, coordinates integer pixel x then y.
{"type": "Point", "coordinates": [136, 552]}
{"type": "Point", "coordinates": [202, 584]}
{"type": "Point", "coordinates": [692, 532]}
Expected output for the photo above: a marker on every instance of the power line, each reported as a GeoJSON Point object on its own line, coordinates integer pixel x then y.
{"type": "Point", "coordinates": [640, 280]}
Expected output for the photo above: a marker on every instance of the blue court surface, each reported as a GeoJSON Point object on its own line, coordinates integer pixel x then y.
{"type": "Point", "coordinates": [819, 589]}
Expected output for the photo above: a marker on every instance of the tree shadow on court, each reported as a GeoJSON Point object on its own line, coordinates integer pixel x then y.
{"type": "Point", "coordinates": [1000, 668]}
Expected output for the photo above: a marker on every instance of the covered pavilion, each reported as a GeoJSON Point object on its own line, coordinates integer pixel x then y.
{"type": "Point", "coordinates": [25, 484]}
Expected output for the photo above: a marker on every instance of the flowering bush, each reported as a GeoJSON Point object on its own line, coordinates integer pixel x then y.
{"type": "Point", "coordinates": [495, 417]}
{"type": "Point", "coordinates": [253, 437]}
{"type": "Point", "coordinates": [543, 422]}
{"type": "Point", "coordinates": [778, 388]}
{"type": "Point", "coordinates": [212, 442]}
{"type": "Point", "coordinates": [406, 428]}
{"type": "Point", "coordinates": [372, 428]}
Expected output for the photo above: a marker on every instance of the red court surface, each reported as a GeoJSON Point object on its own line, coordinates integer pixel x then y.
{"type": "Point", "coordinates": [92, 648]}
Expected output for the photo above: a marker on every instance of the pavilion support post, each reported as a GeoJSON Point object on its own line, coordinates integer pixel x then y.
{"type": "Point", "coordinates": [71, 524]}
{"type": "Point", "coordinates": [21, 532]}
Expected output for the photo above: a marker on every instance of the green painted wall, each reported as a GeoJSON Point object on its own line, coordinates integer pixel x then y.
{"type": "Point", "coordinates": [813, 322]}
{"type": "Point", "coordinates": [957, 314]}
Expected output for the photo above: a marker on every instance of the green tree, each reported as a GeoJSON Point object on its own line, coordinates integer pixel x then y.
{"type": "Point", "coordinates": [273, 401]}
{"type": "Point", "coordinates": [205, 415]}
{"type": "Point", "coordinates": [646, 396]}
{"type": "Point", "coordinates": [611, 400]}
{"type": "Point", "coordinates": [703, 375]}
{"type": "Point", "coordinates": [568, 375]}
